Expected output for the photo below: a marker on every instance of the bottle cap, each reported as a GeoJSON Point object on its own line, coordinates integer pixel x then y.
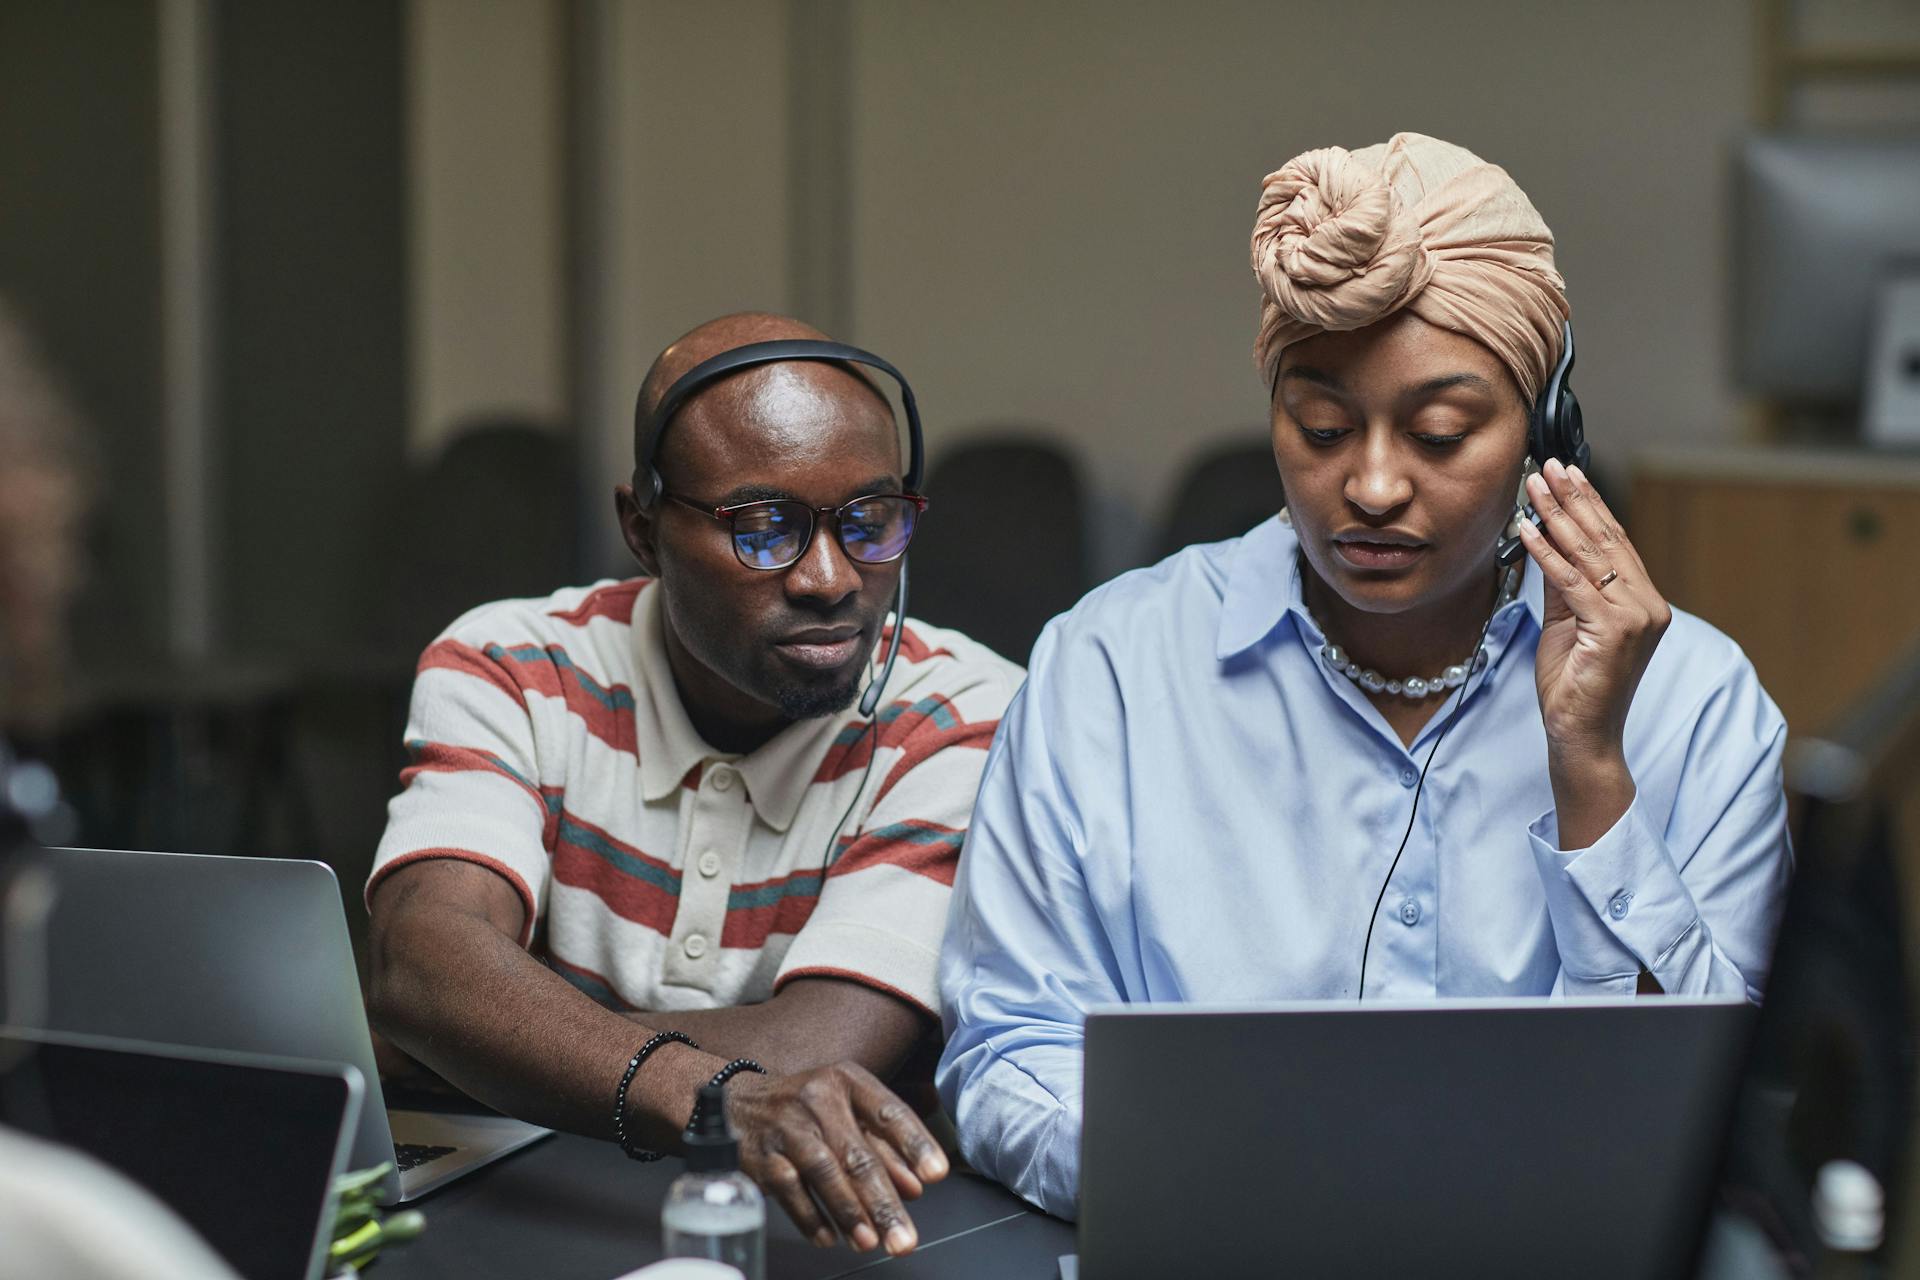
{"type": "Point", "coordinates": [685, 1269]}
{"type": "Point", "coordinates": [711, 1146]}
{"type": "Point", "coordinates": [1849, 1208]}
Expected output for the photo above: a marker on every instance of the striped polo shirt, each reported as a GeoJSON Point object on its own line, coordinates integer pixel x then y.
{"type": "Point", "coordinates": [548, 743]}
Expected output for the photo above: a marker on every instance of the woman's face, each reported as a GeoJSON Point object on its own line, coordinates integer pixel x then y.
{"type": "Point", "coordinates": [1399, 446]}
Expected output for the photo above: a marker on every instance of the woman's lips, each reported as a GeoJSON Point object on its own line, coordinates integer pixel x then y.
{"type": "Point", "coordinates": [1378, 555]}
{"type": "Point", "coordinates": [822, 655]}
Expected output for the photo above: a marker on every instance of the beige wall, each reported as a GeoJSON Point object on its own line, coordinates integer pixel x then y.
{"type": "Point", "coordinates": [1053, 201]}
{"type": "Point", "coordinates": [692, 180]}
{"type": "Point", "coordinates": [1041, 211]}
{"type": "Point", "coordinates": [487, 304]}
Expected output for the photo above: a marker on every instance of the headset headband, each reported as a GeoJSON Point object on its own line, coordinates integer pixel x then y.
{"type": "Point", "coordinates": [648, 430]}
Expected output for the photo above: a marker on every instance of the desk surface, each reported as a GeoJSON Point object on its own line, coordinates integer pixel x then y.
{"type": "Point", "coordinates": [571, 1208]}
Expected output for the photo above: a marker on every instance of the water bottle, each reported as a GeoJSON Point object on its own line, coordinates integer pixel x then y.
{"type": "Point", "coordinates": [713, 1210]}
{"type": "Point", "coordinates": [1849, 1213]}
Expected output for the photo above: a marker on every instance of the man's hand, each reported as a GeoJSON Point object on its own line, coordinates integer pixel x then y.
{"type": "Point", "coordinates": [836, 1136]}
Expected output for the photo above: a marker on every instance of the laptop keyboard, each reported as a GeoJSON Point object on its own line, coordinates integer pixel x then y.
{"type": "Point", "coordinates": [411, 1155]}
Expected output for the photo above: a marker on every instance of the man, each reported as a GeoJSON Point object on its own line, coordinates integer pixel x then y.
{"type": "Point", "coordinates": [657, 784]}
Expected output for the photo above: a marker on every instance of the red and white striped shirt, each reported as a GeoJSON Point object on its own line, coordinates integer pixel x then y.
{"type": "Point", "coordinates": [548, 743]}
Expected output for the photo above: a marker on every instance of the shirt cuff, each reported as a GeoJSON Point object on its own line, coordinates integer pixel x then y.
{"type": "Point", "coordinates": [1617, 907]}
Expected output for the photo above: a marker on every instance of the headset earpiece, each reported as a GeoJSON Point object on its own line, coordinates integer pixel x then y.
{"type": "Point", "coordinates": [1555, 427]}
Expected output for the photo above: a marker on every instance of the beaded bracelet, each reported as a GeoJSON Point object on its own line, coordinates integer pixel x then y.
{"type": "Point", "coordinates": [620, 1095]}
{"type": "Point", "coordinates": [720, 1077]}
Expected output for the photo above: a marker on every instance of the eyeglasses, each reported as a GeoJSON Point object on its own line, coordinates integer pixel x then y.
{"type": "Point", "coordinates": [772, 535]}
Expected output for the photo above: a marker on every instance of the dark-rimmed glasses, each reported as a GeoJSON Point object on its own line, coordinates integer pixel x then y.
{"type": "Point", "coordinates": [874, 529]}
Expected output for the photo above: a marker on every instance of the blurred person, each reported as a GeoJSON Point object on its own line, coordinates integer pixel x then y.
{"type": "Point", "coordinates": [63, 1215]}
{"type": "Point", "coordinates": [43, 487]}
{"type": "Point", "coordinates": [656, 785]}
{"type": "Point", "coordinates": [1352, 753]}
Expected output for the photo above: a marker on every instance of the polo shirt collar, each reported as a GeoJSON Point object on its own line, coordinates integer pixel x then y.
{"type": "Point", "coordinates": [777, 773]}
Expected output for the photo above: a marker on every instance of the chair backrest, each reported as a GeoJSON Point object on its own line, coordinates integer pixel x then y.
{"type": "Point", "coordinates": [492, 516]}
{"type": "Point", "coordinates": [1003, 546]}
{"type": "Point", "coordinates": [1229, 490]}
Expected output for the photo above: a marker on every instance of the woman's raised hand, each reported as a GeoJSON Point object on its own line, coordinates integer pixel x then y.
{"type": "Point", "coordinates": [1603, 620]}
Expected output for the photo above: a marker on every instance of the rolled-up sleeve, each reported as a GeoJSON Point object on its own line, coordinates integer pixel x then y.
{"type": "Point", "coordinates": [1688, 885]}
{"type": "Point", "coordinates": [1025, 957]}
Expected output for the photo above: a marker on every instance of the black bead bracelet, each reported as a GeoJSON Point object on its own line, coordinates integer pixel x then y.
{"type": "Point", "coordinates": [720, 1077]}
{"type": "Point", "coordinates": [620, 1095]}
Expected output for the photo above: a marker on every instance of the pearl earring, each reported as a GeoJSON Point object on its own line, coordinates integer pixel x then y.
{"type": "Point", "coordinates": [1286, 517]}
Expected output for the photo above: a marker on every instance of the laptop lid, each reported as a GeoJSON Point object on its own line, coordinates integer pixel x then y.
{"type": "Point", "coordinates": [1565, 1138]}
{"type": "Point", "coordinates": [244, 1148]}
{"type": "Point", "coordinates": [244, 954]}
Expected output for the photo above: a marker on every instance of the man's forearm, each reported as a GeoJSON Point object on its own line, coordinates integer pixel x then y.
{"type": "Point", "coordinates": [465, 1000]}
{"type": "Point", "coordinates": [812, 1022]}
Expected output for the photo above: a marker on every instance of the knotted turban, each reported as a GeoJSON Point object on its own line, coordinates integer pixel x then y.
{"type": "Point", "coordinates": [1345, 238]}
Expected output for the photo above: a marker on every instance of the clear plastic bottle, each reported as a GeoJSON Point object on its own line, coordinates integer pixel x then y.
{"type": "Point", "coordinates": [1849, 1212]}
{"type": "Point", "coordinates": [713, 1210]}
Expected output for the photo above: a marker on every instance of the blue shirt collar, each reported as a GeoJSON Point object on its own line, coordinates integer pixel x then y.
{"type": "Point", "coordinates": [1264, 586]}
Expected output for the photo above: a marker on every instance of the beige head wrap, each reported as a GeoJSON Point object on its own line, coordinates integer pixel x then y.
{"type": "Point", "coordinates": [1345, 238]}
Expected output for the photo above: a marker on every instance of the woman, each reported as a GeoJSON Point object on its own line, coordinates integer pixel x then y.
{"type": "Point", "coordinates": [1351, 753]}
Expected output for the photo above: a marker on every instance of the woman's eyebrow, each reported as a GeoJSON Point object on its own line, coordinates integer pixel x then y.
{"type": "Point", "coordinates": [1316, 377]}
{"type": "Point", "coordinates": [1472, 381]}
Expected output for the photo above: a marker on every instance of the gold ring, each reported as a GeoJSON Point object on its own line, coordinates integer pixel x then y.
{"type": "Point", "coordinates": [1611, 575]}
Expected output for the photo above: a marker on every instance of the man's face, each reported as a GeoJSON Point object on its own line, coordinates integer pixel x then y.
{"type": "Point", "coordinates": [1399, 446]}
{"type": "Point", "coordinates": [792, 641]}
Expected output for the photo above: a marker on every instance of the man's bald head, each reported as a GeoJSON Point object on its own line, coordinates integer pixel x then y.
{"type": "Point", "coordinates": [753, 649]}
{"type": "Point", "coordinates": [716, 336]}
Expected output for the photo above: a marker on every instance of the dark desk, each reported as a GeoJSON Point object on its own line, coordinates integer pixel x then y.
{"type": "Point", "coordinates": [570, 1208]}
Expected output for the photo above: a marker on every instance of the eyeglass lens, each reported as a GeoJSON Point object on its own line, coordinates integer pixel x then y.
{"type": "Point", "coordinates": [772, 535]}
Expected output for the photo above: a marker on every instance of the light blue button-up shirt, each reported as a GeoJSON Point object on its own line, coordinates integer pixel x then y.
{"type": "Point", "coordinates": [1185, 803]}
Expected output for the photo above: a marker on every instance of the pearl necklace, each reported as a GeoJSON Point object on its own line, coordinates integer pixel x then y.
{"type": "Point", "coordinates": [1418, 688]}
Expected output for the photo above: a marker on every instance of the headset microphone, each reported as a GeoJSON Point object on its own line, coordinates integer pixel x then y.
{"type": "Point", "coordinates": [870, 700]}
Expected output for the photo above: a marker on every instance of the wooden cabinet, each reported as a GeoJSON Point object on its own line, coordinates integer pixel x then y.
{"type": "Point", "coordinates": [1809, 559]}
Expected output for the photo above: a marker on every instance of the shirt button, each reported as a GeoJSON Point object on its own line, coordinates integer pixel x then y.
{"type": "Point", "coordinates": [709, 864]}
{"type": "Point", "coordinates": [695, 946]}
{"type": "Point", "coordinates": [723, 779]}
{"type": "Point", "coordinates": [1408, 777]}
{"type": "Point", "coordinates": [1618, 907]}
{"type": "Point", "coordinates": [1410, 913]}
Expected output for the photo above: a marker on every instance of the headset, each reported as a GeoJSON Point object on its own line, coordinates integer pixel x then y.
{"type": "Point", "coordinates": [1555, 429]}
{"type": "Point", "coordinates": [648, 487]}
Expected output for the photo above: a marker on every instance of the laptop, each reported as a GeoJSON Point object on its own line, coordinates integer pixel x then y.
{"type": "Point", "coordinates": [250, 955]}
{"type": "Point", "coordinates": [1570, 1138]}
{"type": "Point", "coordinates": [244, 1148]}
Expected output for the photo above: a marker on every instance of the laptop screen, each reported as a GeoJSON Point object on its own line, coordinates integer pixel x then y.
{"type": "Point", "coordinates": [244, 1152]}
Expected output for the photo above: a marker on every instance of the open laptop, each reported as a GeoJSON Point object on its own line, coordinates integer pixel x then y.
{"type": "Point", "coordinates": [1569, 1138]}
{"type": "Point", "coordinates": [245, 954]}
{"type": "Point", "coordinates": [244, 1148]}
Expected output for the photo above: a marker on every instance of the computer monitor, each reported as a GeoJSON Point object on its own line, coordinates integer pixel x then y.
{"type": "Point", "coordinates": [1834, 1069]}
{"type": "Point", "coordinates": [1824, 220]}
